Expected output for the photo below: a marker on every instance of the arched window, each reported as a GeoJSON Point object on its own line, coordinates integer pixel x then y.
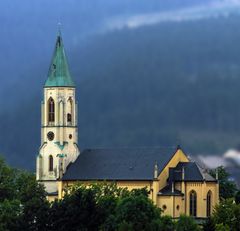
{"type": "Point", "coordinates": [69, 111]}
{"type": "Point", "coordinates": [50, 164]}
{"type": "Point", "coordinates": [193, 203]}
{"type": "Point", "coordinates": [209, 203]}
{"type": "Point", "coordinates": [51, 110]}
{"type": "Point", "coordinates": [61, 116]}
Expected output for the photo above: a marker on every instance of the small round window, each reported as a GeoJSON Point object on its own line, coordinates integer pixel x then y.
{"type": "Point", "coordinates": [164, 207]}
{"type": "Point", "coordinates": [178, 207]}
{"type": "Point", "coordinates": [70, 136]}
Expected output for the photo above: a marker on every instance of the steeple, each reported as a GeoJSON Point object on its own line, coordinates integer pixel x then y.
{"type": "Point", "coordinates": [59, 130]}
{"type": "Point", "coordinates": [58, 74]}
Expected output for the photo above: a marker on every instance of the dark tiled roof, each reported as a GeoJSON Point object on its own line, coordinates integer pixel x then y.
{"type": "Point", "coordinates": [118, 164]}
{"type": "Point", "coordinates": [192, 172]}
{"type": "Point", "coordinates": [167, 191]}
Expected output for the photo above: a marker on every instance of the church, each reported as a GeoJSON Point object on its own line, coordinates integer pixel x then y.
{"type": "Point", "coordinates": [175, 183]}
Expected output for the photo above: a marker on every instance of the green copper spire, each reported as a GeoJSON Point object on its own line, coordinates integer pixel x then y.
{"type": "Point", "coordinates": [58, 74]}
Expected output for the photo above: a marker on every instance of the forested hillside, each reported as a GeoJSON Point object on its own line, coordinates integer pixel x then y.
{"type": "Point", "coordinates": [158, 85]}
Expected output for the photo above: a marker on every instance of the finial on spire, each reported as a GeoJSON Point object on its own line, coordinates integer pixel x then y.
{"type": "Point", "coordinates": [59, 28]}
{"type": "Point", "coordinates": [178, 140]}
{"type": "Point", "coordinates": [216, 173]}
{"type": "Point", "coordinates": [155, 170]}
{"type": "Point", "coordinates": [183, 173]}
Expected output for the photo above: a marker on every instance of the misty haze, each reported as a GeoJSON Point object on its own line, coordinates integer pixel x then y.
{"type": "Point", "coordinates": [149, 73]}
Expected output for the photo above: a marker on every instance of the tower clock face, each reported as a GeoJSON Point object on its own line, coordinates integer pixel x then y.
{"type": "Point", "coordinates": [50, 136]}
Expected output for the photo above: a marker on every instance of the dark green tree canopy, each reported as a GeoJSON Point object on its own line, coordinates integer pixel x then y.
{"type": "Point", "coordinates": [227, 187]}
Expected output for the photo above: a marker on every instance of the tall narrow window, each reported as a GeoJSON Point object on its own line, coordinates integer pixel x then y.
{"type": "Point", "coordinates": [50, 167]}
{"type": "Point", "coordinates": [51, 110]}
{"type": "Point", "coordinates": [69, 118]}
{"type": "Point", "coordinates": [209, 203]}
{"type": "Point", "coordinates": [69, 111]}
{"type": "Point", "coordinates": [193, 204]}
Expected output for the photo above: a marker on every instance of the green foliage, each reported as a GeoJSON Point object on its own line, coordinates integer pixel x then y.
{"type": "Point", "coordinates": [227, 188]}
{"type": "Point", "coordinates": [102, 206]}
{"type": "Point", "coordinates": [77, 211]}
{"type": "Point", "coordinates": [10, 211]}
{"type": "Point", "coordinates": [7, 177]}
{"type": "Point", "coordinates": [33, 198]}
{"type": "Point", "coordinates": [23, 204]}
{"type": "Point", "coordinates": [209, 225]}
{"type": "Point", "coordinates": [124, 226]}
{"type": "Point", "coordinates": [99, 206]}
{"type": "Point", "coordinates": [227, 213]}
{"type": "Point", "coordinates": [222, 227]}
{"type": "Point", "coordinates": [237, 197]}
{"type": "Point", "coordinates": [166, 224]}
{"type": "Point", "coordinates": [186, 223]}
{"type": "Point", "coordinates": [138, 211]}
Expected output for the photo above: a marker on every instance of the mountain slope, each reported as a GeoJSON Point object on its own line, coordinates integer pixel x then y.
{"type": "Point", "coordinates": [151, 86]}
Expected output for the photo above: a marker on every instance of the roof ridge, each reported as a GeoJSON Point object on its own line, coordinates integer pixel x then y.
{"type": "Point", "coordinates": [132, 147]}
{"type": "Point", "coordinates": [201, 171]}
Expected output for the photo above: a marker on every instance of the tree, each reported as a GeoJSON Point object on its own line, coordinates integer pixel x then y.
{"type": "Point", "coordinates": [186, 223]}
{"type": "Point", "coordinates": [137, 211]}
{"type": "Point", "coordinates": [107, 197]}
{"type": "Point", "coordinates": [10, 212]}
{"type": "Point", "coordinates": [222, 227]}
{"type": "Point", "coordinates": [209, 225]}
{"type": "Point", "coordinates": [33, 201]}
{"type": "Point", "coordinates": [237, 197]}
{"type": "Point", "coordinates": [166, 224]}
{"type": "Point", "coordinates": [227, 212]}
{"type": "Point", "coordinates": [7, 176]}
{"type": "Point", "coordinates": [227, 188]}
{"type": "Point", "coordinates": [23, 204]}
{"type": "Point", "coordinates": [76, 211]}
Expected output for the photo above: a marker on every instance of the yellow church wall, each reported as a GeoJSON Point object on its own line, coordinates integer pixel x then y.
{"type": "Point", "coordinates": [178, 157]}
{"type": "Point", "coordinates": [52, 198]}
{"type": "Point", "coordinates": [179, 207]}
{"type": "Point", "coordinates": [214, 189]}
{"type": "Point", "coordinates": [201, 189]}
{"type": "Point", "coordinates": [166, 204]}
{"type": "Point", "coordinates": [171, 205]}
{"type": "Point", "coordinates": [134, 184]}
{"type": "Point", "coordinates": [175, 205]}
{"type": "Point", "coordinates": [197, 187]}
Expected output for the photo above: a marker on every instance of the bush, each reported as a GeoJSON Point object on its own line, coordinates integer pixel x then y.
{"type": "Point", "coordinates": [209, 225]}
{"type": "Point", "coordinates": [237, 197]}
{"type": "Point", "coordinates": [227, 213]}
{"type": "Point", "coordinates": [222, 227]}
{"type": "Point", "coordinates": [137, 211]}
{"type": "Point", "coordinates": [166, 223]}
{"type": "Point", "coordinates": [186, 223]}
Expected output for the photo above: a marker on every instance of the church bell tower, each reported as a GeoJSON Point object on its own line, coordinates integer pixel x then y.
{"type": "Point", "coordinates": [59, 129]}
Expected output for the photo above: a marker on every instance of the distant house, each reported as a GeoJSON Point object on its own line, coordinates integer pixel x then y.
{"type": "Point", "coordinates": [175, 184]}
